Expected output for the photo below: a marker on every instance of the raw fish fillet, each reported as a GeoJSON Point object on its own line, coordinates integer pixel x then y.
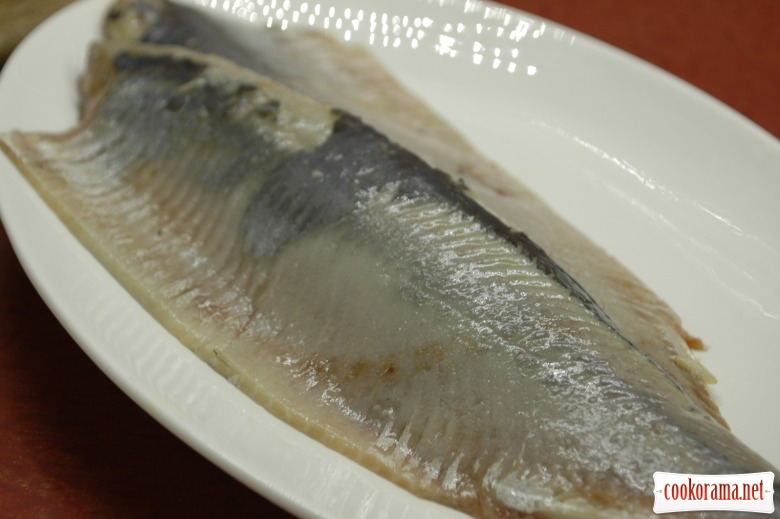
{"type": "Point", "coordinates": [349, 78]}
{"type": "Point", "coordinates": [363, 296]}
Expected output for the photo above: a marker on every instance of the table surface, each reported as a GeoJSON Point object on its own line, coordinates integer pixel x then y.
{"type": "Point", "coordinates": [73, 445]}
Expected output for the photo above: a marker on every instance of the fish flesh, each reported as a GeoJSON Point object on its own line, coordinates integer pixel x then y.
{"type": "Point", "coordinates": [347, 77]}
{"type": "Point", "coordinates": [361, 295]}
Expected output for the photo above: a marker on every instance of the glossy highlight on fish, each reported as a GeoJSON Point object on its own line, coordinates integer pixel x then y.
{"type": "Point", "coordinates": [363, 296]}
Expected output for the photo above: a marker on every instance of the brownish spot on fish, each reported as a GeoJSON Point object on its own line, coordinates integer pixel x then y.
{"type": "Point", "coordinates": [389, 371]}
{"type": "Point", "coordinates": [694, 343]}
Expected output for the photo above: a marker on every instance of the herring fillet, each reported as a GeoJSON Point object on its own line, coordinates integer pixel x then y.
{"type": "Point", "coordinates": [361, 295]}
{"type": "Point", "coordinates": [346, 77]}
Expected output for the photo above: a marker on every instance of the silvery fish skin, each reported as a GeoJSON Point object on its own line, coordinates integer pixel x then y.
{"type": "Point", "coordinates": [363, 296]}
{"type": "Point", "coordinates": [349, 78]}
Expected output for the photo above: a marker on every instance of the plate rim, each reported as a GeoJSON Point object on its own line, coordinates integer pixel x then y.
{"type": "Point", "coordinates": [140, 395]}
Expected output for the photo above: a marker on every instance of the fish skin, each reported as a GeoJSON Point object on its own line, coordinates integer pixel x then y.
{"type": "Point", "coordinates": [532, 402]}
{"type": "Point", "coordinates": [355, 82]}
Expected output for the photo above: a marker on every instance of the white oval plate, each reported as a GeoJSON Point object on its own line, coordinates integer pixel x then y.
{"type": "Point", "coordinates": [680, 188]}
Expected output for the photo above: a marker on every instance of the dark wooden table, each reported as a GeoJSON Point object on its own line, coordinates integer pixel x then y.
{"type": "Point", "coordinates": [73, 445]}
